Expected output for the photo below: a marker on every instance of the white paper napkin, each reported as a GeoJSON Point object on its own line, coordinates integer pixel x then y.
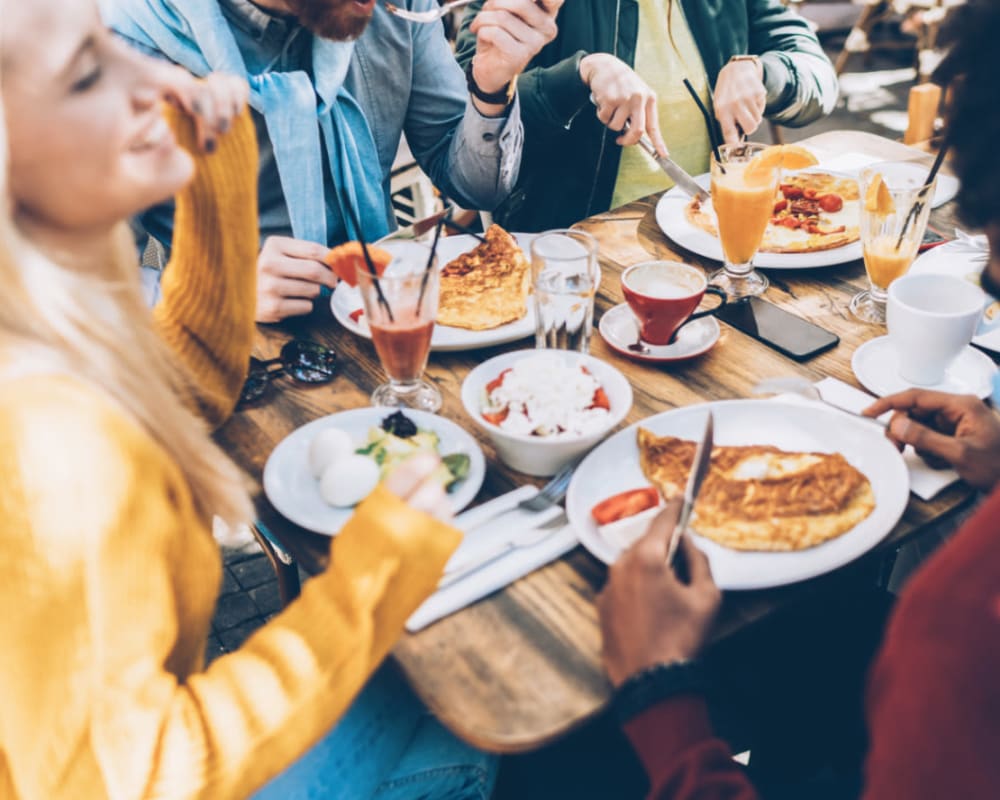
{"type": "Point", "coordinates": [925, 482]}
{"type": "Point", "coordinates": [505, 569]}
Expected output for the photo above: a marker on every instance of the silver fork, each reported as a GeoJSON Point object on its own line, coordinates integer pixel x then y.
{"type": "Point", "coordinates": [803, 388]}
{"type": "Point", "coordinates": [425, 16]}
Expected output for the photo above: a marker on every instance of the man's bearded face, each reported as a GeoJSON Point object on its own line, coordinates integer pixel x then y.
{"type": "Point", "coordinates": [333, 19]}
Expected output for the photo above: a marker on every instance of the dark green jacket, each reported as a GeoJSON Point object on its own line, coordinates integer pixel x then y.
{"type": "Point", "coordinates": [570, 160]}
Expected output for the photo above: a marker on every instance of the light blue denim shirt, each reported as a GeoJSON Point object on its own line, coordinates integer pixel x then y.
{"type": "Point", "coordinates": [405, 79]}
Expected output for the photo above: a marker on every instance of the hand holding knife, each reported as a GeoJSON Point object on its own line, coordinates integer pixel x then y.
{"type": "Point", "coordinates": [699, 469]}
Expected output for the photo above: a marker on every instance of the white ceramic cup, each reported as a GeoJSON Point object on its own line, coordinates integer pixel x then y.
{"type": "Point", "coordinates": [931, 318]}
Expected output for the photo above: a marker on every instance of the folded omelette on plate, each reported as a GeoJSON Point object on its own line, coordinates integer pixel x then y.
{"type": "Point", "coordinates": [486, 287]}
{"type": "Point", "coordinates": [758, 497]}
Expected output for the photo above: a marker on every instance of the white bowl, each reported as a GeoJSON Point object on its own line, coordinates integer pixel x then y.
{"type": "Point", "coordinates": [536, 455]}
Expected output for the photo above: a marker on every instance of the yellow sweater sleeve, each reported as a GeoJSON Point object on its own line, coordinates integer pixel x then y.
{"type": "Point", "coordinates": [109, 588]}
{"type": "Point", "coordinates": [206, 314]}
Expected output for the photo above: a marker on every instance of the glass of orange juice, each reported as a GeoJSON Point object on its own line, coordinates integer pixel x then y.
{"type": "Point", "coordinates": [743, 197]}
{"type": "Point", "coordinates": [401, 307]}
{"type": "Point", "coordinates": [896, 205]}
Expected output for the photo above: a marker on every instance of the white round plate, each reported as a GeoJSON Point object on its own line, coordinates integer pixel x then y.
{"type": "Point", "coordinates": [614, 467]}
{"type": "Point", "coordinates": [294, 492]}
{"type": "Point", "coordinates": [959, 259]}
{"type": "Point", "coordinates": [620, 330]}
{"type": "Point", "coordinates": [347, 300]}
{"type": "Point", "coordinates": [673, 222]}
{"type": "Point", "coordinates": [876, 367]}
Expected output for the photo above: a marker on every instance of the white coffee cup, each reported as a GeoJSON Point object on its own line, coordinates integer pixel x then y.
{"type": "Point", "coordinates": [931, 319]}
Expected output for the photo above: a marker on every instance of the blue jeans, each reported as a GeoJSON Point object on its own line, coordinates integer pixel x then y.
{"type": "Point", "coordinates": [386, 747]}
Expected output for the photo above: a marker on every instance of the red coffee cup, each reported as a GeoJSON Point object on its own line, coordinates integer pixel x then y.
{"type": "Point", "coordinates": [663, 295]}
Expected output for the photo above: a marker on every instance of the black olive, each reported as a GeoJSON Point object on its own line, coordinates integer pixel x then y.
{"type": "Point", "coordinates": [400, 425]}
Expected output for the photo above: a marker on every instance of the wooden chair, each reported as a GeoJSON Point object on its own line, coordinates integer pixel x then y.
{"type": "Point", "coordinates": [284, 566]}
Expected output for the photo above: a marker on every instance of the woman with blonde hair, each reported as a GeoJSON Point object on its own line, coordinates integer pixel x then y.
{"type": "Point", "coordinates": [108, 476]}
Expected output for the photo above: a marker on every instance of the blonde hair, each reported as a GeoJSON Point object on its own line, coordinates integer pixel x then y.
{"type": "Point", "coordinates": [98, 329]}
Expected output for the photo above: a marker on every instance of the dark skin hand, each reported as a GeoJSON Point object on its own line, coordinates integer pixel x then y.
{"type": "Point", "coordinates": [959, 431]}
{"type": "Point", "coordinates": [649, 615]}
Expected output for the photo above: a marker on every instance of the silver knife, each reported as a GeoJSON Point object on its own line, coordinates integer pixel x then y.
{"type": "Point", "coordinates": [418, 228]}
{"type": "Point", "coordinates": [699, 469]}
{"type": "Point", "coordinates": [675, 171]}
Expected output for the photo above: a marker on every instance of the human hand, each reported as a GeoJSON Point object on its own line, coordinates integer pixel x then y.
{"type": "Point", "coordinates": [509, 33]}
{"type": "Point", "coordinates": [290, 273]}
{"type": "Point", "coordinates": [739, 99]}
{"type": "Point", "coordinates": [648, 615]}
{"type": "Point", "coordinates": [413, 482]}
{"type": "Point", "coordinates": [213, 102]}
{"type": "Point", "coordinates": [946, 430]}
{"type": "Point", "coordinates": [622, 96]}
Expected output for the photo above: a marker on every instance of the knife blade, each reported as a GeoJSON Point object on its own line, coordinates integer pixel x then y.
{"type": "Point", "coordinates": [418, 228]}
{"type": "Point", "coordinates": [675, 171]}
{"type": "Point", "coordinates": [699, 469]}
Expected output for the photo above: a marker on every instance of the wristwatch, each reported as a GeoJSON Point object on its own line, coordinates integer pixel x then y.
{"type": "Point", "coordinates": [754, 59]}
{"type": "Point", "coordinates": [656, 683]}
{"type": "Point", "coordinates": [501, 97]}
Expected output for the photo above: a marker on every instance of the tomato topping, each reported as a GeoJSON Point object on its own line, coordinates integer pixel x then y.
{"type": "Point", "coordinates": [809, 193]}
{"type": "Point", "coordinates": [497, 382]}
{"type": "Point", "coordinates": [497, 417]}
{"type": "Point", "coordinates": [788, 222]}
{"type": "Point", "coordinates": [601, 399]}
{"type": "Point", "coordinates": [831, 203]}
{"type": "Point", "coordinates": [791, 192]}
{"type": "Point", "coordinates": [626, 504]}
{"type": "Point", "coordinates": [780, 206]}
{"type": "Point", "coordinates": [357, 314]}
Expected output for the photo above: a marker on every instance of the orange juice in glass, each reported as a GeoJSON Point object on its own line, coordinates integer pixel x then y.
{"type": "Point", "coordinates": [896, 202]}
{"type": "Point", "coordinates": [743, 200]}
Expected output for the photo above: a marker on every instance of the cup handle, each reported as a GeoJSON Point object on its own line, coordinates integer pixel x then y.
{"type": "Point", "coordinates": [720, 293]}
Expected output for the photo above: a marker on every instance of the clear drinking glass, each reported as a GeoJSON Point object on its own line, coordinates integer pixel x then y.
{"type": "Point", "coordinates": [744, 204]}
{"type": "Point", "coordinates": [565, 276]}
{"type": "Point", "coordinates": [401, 320]}
{"type": "Point", "coordinates": [891, 229]}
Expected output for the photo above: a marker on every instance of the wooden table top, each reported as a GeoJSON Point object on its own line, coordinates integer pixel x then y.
{"type": "Point", "coordinates": [522, 667]}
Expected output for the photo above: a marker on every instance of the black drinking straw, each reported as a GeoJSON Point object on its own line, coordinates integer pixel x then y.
{"type": "Point", "coordinates": [918, 206]}
{"type": "Point", "coordinates": [368, 260]}
{"type": "Point", "coordinates": [430, 263]}
{"type": "Point", "coordinates": [712, 133]}
{"type": "Point", "coordinates": [456, 226]}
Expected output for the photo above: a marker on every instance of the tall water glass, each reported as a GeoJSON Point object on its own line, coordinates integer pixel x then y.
{"type": "Point", "coordinates": [893, 222]}
{"type": "Point", "coordinates": [565, 276]}
{"type": "Point", "coordinates": [744, 203]}
{"type": "Point", "coordinates": [401, 307]}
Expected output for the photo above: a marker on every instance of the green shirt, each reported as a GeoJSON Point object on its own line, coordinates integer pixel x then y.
{"type": "Point", "coordinates": [664, 66]}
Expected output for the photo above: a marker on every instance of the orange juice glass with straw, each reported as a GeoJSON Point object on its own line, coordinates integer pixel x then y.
{"type": "Point", "coordinates": [896, 202]}
{"type": "Point", "coordinates": [744, 188]}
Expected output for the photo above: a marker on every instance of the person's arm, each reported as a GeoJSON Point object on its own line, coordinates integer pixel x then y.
{"type": "Point", "coordinates": [800, 81]}
{"type": "Point", "coordinates": [110, 579]}
{"type": "Point", "coordinates": [206, 314]}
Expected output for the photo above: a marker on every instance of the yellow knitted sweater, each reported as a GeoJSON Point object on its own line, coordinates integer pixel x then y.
{"type": "Point", "coordinates": [110, 576]}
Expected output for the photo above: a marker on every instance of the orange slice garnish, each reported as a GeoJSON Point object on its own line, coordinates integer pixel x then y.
{"type": "Point", "coordinates": [344, 260]}
{"type": "Point", "coordinates": [780, 156]}
{"type": "Point", "coordinates": [878, 198]}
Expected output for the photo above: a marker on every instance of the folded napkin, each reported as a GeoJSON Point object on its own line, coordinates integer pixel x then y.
{"type": "Point", "coordinates": [925, 481]}
{"type": "Point", "coordinates": [506, 568]}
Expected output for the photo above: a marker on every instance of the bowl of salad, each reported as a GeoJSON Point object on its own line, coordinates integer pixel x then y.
{"type": "Point", "coordinates": [545, 408]}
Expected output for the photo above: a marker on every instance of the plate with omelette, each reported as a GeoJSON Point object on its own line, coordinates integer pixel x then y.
{"type": "Point", "coordinates": [794, 490]}
{"type": "Point", "coordinates": [485, 293]}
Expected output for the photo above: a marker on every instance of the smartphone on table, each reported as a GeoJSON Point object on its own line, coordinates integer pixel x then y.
{"type": "Point", "coordinates": [787, 333]}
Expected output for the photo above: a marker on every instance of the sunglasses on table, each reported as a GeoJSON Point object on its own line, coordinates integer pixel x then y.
{"type": "Point", "coordinates": [302, 360]}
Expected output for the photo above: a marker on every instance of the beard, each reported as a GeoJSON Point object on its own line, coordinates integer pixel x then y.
{"type": "Point", "coordinates": [340, 20]}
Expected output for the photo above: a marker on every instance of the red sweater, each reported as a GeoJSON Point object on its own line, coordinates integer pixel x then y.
{"type": "Point", "coordinates": [933, 702]}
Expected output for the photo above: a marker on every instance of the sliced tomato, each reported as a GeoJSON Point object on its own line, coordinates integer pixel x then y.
{"type": "Point", "coordinates": [788, 222]}
{"type": "Point", "coordinates": [357, 314]}
{"type": "Point", "coordinates": [497, 417]}
{"type": "Point", "coordinates": [809, 193]}
{"type": "Point", "coordinates": [780, 206]}
{"type": "Point", "coordinates": [497, 382]}
{"type": "Point", "coordinates": [626, 504]}
{"type": "Point", "coordinates": [601, 399]}
{"type": "Point", "coordinates": [791, 192]}
{"type": "Point", "coordinates": [831, 203]}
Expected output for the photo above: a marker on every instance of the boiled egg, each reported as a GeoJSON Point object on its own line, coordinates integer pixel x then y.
{"type": "Point", "coordinates": [327, 447]}
{"type": "Point", "coordinates": [348, 480]}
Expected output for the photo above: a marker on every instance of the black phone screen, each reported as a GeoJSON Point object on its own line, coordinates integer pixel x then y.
{"type": "Point", "coordinates": [787, 333]}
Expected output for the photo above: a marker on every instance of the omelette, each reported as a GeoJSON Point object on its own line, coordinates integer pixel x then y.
{"type": "Point", "coordinates": [758, 497]}
{"type": "Point", "coordinates": [486, 287]}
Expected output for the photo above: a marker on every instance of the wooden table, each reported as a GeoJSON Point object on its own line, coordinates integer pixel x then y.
{"type": "Point", "coordinates": [522, 667]}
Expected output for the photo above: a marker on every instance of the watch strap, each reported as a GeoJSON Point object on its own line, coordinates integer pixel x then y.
{"type": "Point", "coordinates": [501, 97]}
{"type": "Point", "coordinates": [655, 684]}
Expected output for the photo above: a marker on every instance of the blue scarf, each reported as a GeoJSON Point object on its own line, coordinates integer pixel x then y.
{"type": "Point", "coordinates": [302, 116]}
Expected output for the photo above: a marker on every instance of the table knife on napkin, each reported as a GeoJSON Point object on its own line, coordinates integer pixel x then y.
{"type": "Point", "coordinates": [699, 469]}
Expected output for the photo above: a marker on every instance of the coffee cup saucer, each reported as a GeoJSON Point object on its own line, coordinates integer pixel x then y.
{"type": "Point", "coordinates": [620, 330]}
{"type": "Point", "coordinates": [876, 366]}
